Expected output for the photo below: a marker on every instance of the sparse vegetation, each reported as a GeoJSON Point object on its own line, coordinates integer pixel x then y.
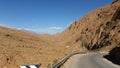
{"type": "Point", "coordinates": [25, 48]}
{"type": "Point", "coordinates": [55, 61]}
{"type": "Point", "coordinates": [49, 65]}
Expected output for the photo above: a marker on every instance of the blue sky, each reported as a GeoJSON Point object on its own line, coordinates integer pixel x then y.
{"type": "Point", "coordinates": [45, 16]}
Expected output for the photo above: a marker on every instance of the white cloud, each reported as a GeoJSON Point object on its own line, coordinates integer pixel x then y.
{"type": "Point", "coordinates": [55, 28]}
{"type": "Point", "coordinates": [50, 30]}
{"type": "Point", "coordinates": [4, 25]}
{"type": "Point", "coordinates": [19, 28]}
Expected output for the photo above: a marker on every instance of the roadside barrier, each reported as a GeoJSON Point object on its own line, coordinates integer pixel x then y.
{"type": "Point", "coordinates": [30, 66]}
{"type": "Point", "coordinates": [61, 62]}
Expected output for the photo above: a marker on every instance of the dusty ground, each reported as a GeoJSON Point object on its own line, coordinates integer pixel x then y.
{"type": "Point", "coordinates": [22, 48]}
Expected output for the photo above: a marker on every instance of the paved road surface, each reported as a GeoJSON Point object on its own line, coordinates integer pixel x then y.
{"type": "Point", "coordinates": [90, 61]}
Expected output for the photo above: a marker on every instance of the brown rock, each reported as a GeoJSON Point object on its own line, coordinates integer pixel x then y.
{"type": "Point", "coordinates": [98, 29]}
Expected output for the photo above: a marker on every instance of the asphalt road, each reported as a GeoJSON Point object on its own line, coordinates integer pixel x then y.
{"type": "Point", "coordinates": [90, 61]}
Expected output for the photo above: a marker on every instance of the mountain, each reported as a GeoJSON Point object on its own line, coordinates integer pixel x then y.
{"type": "Point", "coordinates": [97, 30]}
{"type": "Point", "coordinates": [22, 48]}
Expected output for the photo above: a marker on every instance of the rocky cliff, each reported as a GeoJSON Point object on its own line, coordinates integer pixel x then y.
{"type": "Point", "coordinates": [99, 28]}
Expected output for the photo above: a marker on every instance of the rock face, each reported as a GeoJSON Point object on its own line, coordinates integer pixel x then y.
{"type": "Point", "coordinates": [115, 1]}
{"type": "Point", "coordinates": [99, 28]}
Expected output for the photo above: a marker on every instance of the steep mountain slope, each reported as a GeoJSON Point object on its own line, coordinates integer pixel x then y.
{"type": "Point", "coordinates": [99, 28]}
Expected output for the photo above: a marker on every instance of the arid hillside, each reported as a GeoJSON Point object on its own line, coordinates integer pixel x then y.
{"type": "Point", "coordinates": [22, 48]}
{"type": "Point", "coordinates": [99, 29]}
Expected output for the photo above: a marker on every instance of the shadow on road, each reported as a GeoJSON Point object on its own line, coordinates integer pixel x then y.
{"type": "Point", "coordinates": [110, 59]}
{"type": "Point", "coordinates": [114, 55]}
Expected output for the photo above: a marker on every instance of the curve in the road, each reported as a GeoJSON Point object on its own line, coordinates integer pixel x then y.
{"type": "Point", "coordinates": [91, 60]}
